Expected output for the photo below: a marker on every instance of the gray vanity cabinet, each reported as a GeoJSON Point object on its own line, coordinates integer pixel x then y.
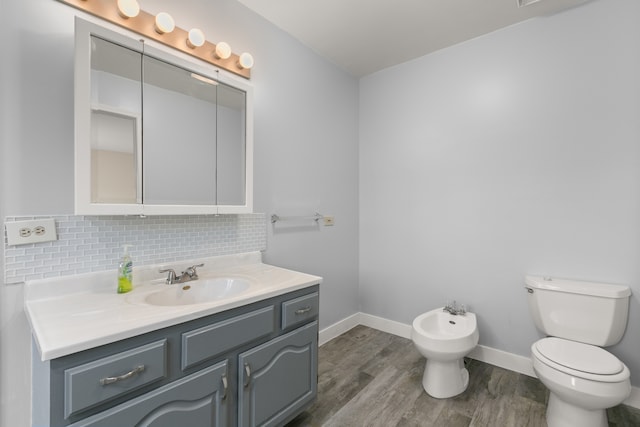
{"type": "Point", "coordinates": [254, 365]}
{"type": "Point", "coordinates": [278, 378]}
{"type": "Point", "coordinates": [193, 401]}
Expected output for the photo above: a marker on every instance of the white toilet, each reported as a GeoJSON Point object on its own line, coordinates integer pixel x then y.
{"type": "Point", "coordinates": [579, 317]}
{"type": "Point", "coordinates": [444, 339]}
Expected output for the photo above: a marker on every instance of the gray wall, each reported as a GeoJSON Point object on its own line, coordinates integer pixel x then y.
{"type": "Point", "coordinates": [305, 150]}
{"type": "Point", "coordinates": [514, 153]}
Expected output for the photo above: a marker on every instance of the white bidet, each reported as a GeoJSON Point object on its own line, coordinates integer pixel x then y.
{"type": "Point", "coordinates": [444, 339]}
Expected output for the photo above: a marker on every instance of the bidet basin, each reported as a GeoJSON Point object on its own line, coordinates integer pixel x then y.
{"type": "Point", "coordinates": [440, 324]}
{"type": "Point", "coordinates": [438, 333]}
{"type": "Point", "coordinates": [199, 291]}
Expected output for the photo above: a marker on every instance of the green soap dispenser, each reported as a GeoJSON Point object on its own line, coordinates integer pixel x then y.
{"type": "Point", "coordinates": [125, 276]}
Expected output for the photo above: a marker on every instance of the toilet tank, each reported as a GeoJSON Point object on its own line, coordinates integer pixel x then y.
{"type": "Point", "coordinates": [592, 313]}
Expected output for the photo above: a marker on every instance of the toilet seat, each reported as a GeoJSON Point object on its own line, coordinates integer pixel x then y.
{"type": "Point", "coordinates": [580, 360]}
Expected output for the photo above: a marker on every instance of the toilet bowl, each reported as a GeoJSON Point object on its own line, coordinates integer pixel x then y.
{"type": "Point", "coordinates": [444, 339]}
{"type": "Point", "coordinates": [579, 318]}
{"type": "Point", "coordinates": [583, 380]}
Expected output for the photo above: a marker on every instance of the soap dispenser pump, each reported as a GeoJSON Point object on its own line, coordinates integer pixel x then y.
{"type": "Point", "coordinates": [125, 276]}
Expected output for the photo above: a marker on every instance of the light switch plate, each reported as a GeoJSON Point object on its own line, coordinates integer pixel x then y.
{"type": "Point", "coordinates": [31, 231]}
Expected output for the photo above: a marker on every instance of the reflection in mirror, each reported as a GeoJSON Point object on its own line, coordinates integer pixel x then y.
{"type": "Point", "coordinates": [179, 130]}
{"type": "Point", "coordinates": [115, 123]}
{"type": "Point", "coordinates": [231, 145]}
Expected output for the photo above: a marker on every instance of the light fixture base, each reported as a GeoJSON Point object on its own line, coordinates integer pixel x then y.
{"type": "Point", "coordinates": [145, 25]}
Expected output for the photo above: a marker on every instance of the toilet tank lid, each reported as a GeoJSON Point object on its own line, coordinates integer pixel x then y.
{"type": "Point", "coordinates": [578, 287]}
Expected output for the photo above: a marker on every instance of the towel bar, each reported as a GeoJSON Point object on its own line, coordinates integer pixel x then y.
{"type": "Point", "coordinates": [275, 218]}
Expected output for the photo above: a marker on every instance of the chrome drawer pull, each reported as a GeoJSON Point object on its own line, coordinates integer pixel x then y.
{"type": "Point", "coordinates": [303, 310]}
{"type": "Point", "coordinates": [132, 373]}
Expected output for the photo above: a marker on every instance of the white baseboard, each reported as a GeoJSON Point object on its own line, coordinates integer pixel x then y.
{"type": "Point", "coordinates": [338, 328]}
{"type": "Point", "coordinates": [384, 325]}
{"type": "Point", "coordinates": [379, 323]}
{"type": "Point", "coordinates": [503, 359]}
{"type": "Point", "coordinates": [493, 356]}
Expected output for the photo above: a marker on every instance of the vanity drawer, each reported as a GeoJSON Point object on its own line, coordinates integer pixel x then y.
{"type": "Point", "coordinates": [103, 379]}
{"type": "Point", "coordinates": [211, 340]}
{"type": "Point", "coordinates": [299, 310]}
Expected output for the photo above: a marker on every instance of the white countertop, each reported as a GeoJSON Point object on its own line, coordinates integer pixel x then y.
{"type": "Point", "coordinates": [75, 313]}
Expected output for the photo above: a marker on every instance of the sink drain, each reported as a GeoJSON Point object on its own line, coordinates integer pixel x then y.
{"type": "Point", "coordinates": [452, 322]}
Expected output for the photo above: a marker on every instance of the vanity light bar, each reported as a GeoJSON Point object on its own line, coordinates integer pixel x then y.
{"type": "Point", "coordinates": [162, 29]}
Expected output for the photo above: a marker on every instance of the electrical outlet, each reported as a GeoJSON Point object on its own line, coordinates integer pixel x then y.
{"type": "Point", "coordinates": [328, 221]}
{"type": "Point", "coordinates": [31, 231]}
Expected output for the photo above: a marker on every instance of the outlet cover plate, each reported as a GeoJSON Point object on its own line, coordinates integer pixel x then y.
{"type": "Point", "coordinates": [31, 231]}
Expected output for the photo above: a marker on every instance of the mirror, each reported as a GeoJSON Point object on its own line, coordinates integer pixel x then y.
{"type": "Point", "coordinates": [231, 127]}
{"type": "Point", "coordinates": [179, 165]}
{"type": "Point", "coordinates": [116, 111]}
{"type": "Point", "coordinates": [157, 133]}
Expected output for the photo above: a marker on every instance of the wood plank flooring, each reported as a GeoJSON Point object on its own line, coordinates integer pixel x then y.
{"type": "Point", "coordinates": [371, 378]}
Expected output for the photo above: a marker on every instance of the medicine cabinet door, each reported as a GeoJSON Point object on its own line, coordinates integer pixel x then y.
{"type": "Point", "coordinates": [155, 133]}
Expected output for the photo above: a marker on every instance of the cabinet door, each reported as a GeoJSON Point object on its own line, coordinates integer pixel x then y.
{"type": "Point", "coordinates": [194, 401]}
{"type": "Point", "coordinates": [279, 378]}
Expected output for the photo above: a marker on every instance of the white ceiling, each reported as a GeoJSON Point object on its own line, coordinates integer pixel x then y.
{"type": "Point", "coordinates": [364, 36]}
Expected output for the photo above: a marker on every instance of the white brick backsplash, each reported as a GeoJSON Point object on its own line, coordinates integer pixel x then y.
{"type": "Point", "coordinates": [87, 244]}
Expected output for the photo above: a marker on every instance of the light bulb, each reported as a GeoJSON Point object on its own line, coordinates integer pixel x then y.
{"type": "Point", "coordinates": [196, 38]}
{"type": "Point", "coordinates": [223, 50]}
{"type": "Point", "coordinates": [128, 8]}
{"type": "Point", "coordinates": [164, 23]}
{"type": "Point", "coordinates": [245, 61]}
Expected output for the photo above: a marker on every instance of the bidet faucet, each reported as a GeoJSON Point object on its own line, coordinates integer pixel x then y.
{"type": "Point", "coordinates": [455, 309]}
{"type": "Point", "coordinates": [186, 276]}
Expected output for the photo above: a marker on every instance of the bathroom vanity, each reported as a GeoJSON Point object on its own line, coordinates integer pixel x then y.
{"type": "Point", "coordinates": [103, 359]}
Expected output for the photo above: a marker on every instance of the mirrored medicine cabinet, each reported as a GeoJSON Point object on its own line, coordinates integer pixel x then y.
{"type": "Point", "coordinates": [156, 132]}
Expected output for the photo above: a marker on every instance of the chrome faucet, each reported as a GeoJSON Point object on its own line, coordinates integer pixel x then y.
{"type": "Point", "coordinates": [186, 276]}
{"type": "Point", "coordinates": [455, 309]}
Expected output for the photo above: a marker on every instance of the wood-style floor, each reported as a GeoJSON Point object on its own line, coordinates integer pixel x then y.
{"type": "Point", "coordinates": [371, 378]}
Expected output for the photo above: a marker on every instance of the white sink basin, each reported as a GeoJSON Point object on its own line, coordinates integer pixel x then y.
{"type": "Point", "coordinates": [199, 291]}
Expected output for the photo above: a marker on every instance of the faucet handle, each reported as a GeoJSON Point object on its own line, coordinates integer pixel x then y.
{"type": "Point", "coordinates": [454, 308]}
{"type": "Point", "coordinates": [191, 271]}
{"type": "Point", "coordinates": [171, 278]}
